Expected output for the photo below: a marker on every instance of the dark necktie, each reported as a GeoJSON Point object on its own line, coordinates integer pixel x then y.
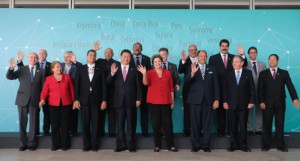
{"type": "Point", "coordinates": [31, 74]}
{"type": "Point", "coordinates": [274, 74]}
{"type": "Point", "coordinates": [137, 61]}
{"type": "Point", "coordinates": [164, 67]}
{"type": "Point", "coordinates": [254, 68]}
{"type": "Point", "coordinates": [42, 65]}
{"type": "Point", "coordinates": [202, 71]}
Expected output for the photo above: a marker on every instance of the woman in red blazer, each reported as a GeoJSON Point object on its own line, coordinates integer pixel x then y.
{"type": "Point", "coordinates": [160, 97]}
{"type": "Point", "coordinates": [58, 90]}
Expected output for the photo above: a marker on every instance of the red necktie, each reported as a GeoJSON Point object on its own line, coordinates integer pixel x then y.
{"type": "Point", "coordinates": [225, 61]}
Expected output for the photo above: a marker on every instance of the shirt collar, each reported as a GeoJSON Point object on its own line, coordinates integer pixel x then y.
{"type": "Point", "coordinates": [271, 69]}
{"type": "Point", "coordinates": [127, 66]}
{"type": "Point", "coordinates": [31, 66]}
{"type": "Point", "coordinates": [239, 70]}
{"type": "Point", "coordinates": [91, 65]}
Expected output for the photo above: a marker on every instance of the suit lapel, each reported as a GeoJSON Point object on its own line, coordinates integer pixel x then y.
{"type": "Point", "coordinates": [220, 59]}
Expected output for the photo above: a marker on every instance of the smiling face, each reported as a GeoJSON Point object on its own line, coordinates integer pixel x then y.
{"type": "Point", "coordinates": [252, 54]}
{"type": "Point", "coordinates": [193, 51]}
{"type": "Point", "coordinates": [202, 57]}
{"type": "Point", "coordinates": [32, 59]}
{"type": "Point", "coordinates": [108, 53]}
{"type": "Point", "coordinates": [91, 57]}
{"type": "Point", "coordinates": [237, 63]}
{"type": "Point", "coordinates": [67, 58]}
{"type": "Point", "coordinates": [56, 68]}
{"type": "Point", "coordinates": [273, 62]}
{"type": "Point", "coordinates": [157, 63]}
{"type": "Point", "coordinates": [125, 58]}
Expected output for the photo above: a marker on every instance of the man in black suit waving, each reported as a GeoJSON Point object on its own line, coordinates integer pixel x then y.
{"type": "Point", "coordinates": [223, 63]}
{"type": "Point", "coordinates": [271, 96]}
{"type": "Point", "coordinates": [90, 95]}
{"type": "Point", "coordinates": [184, 65]}
{"type": "Point", "coordinates": [127, 97]}
{"type": "Point", "coordinates": [203, 97]}
{"type": "Point", "coordinates": [140, 59]}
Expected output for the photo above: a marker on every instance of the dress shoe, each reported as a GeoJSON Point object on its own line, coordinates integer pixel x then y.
{"type": "Point", "coordinates": [119, 149]}
{"type": "Point", "coordinates": [132, 150]}
{"type": "Point", "coordinates": [258, 132]}
{"type": "Point", "coordinates": [65, 148]}
{"type": "Point", "coordinates": [54, 148]}
{"type": "Point", "coordinates": [156, 149]}
{"type": "Point", "coordinates": [46, 134]}
{"type": "Point", "coordinates": [265, 148]}
{"type": "Point", "coordinates": [23, 148]}
{"type": "Point", "coordinates": [251, 133]}
{"type": "Point", "coordinates": [32, 148]}
{"type": "Point", "coordinates": [245, 149]}
{"type": "Point", "coordinates": [95, 149]}
{"type": "Point", "coordinates": [173, 149]}
{"type": "Point", "coordinates": [283, 149]}
{"type": "Point", "coordinates": [86, 149]}
{"type": "Point", "coordinates": [112, 135]}
{"type": "Point", "coordinates": [195, 149]}
{"type": "Point", "coordinates": [145, 135]}
{"type": "Point", "coordinates": [231, 149]}
{"type": "Point", "coordinates": [206, 149]}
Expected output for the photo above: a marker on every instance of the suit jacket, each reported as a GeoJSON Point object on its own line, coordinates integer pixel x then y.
{"type": "Point", "coordinates": [173, 69]}
{"type": "Point", "coordinates": [217, 61]}
{"type": "Point", "coordinates": [27, 90]}
{"type": "Point", "coordinates": [184, 69]}
{"type": "Point", "coordinates": [239, 95]}
{"type": "Point", "coordinates": [260, 67]}
{"type": "Point", "coordinates": [272, 92]}
{"type": "Point", "coordinates": [83, 85]}
{"type": "Point", "coordinates": [58, 91]}
{"type": "Point", "coordinates": [206, 90]}
{"type": "Point", "coordinates": [45, 72]}
{"type": "Point", "coordinates": [73, 69]}
{"type": "Point", "coordinates": [127, 92]}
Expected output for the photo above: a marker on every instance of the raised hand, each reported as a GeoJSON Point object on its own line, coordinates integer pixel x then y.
{"type": "Point", "coordinates": [262, 106]}
{"type": "Point", "coordinates": [73, 58]}
{"type": "Point", "coordinates": [142, 69]}
{"type": "Point", "coordinates": [241, 50]}
{"type": "Point", "coordinates": [114, 68]}
{"type": "Point", "coordinates": [194, 69]}
{"type": "Point", "coordinates": [12, 63]}
{"type": "Point", "coordinates": [215, 104]}
{"type": "Point", "coordinates": [20, 56]}
{"type": "Point", "coordinates": [103, 105]}
{"type": "Point", "coordinates": [183, 55]}
{"type": "Point", "coordinates": [250, 105]}
{"type": "Point", "coordinates": [97, 45]}
{"type": "Point", "coordinates": [225, 105]}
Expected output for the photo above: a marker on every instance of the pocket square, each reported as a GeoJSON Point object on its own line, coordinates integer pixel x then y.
{"type": "Point", "coordinates": [210, 72]}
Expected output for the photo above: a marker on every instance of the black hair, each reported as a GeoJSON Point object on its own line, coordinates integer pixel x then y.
{"type": "Point", "coordinates": [224, 41]}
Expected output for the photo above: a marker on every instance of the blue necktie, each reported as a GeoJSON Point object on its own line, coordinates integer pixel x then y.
{"type": "Point", "coordinates": [238, 76]}
{"type": "Point", "coordinates": [31, 74]}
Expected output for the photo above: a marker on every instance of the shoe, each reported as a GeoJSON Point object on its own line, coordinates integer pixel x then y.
{"type": "Point", "coordinates": [23, 148]}
{"type": "Point", "coordinates": [145, 134]}
{"type": "Point", "coordinates": [186, 134]}
{"type": "Point", "coordinates": [54, 148]}
{"type": "Point", "coordinates": [86, 149]}
{"type": "Point", "coordinates": [32, 148]}
{"type": "Point", "coordinates": [195, 149]}
{"type": "Point", "coordinates": [119, 149]}
{"type": "Point", "coordinates": [282, 149]}
{"type": "Point", "coordinates": [46, 134]}
{"type": "Point", "coordinates": [245, 149]}
{"type": "Point", "coordinates": [231, 149]}
{"type": "Point", "coordinates": [258, 132]}
{"type": "Point", "coordinates": [95, 149]}
{"type": "Point", "coordinates": [65, 148]}
{"type": "Point", "coordinates": [156, 149]}
{"type": "Point", "coordinates": [112, 135]}
{"type": "Point", "coordinates": [265, 148]}
{"type": "Point", "coordinates": [251, 133]}
{"type": "Point", "coordinates": [206, 149]}
{"type": "Point", "coordinates": [132, 150]}
{"type": "Point", "coordinates": [173, 149]}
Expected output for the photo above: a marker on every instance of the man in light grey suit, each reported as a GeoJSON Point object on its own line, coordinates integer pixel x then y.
{"type": "Point", "coordinates": [254, 124]}
{"type": "Point", "coordinates": [28, 96]}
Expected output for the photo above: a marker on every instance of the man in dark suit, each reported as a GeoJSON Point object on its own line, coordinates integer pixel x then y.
{"type": "Point", "coordinates": [127, 97]}
{"type": "Point", "coordinates": [30, 78]}
{"type": "Point", "coordinates": [204, 96]}
{"type": "Point", "coordinates": [223, 63]}
{"type": "Point", "coordinates": [238, 98]}
{"type": "Point", "coordinates": [271, 96]}
{"type": "Point", "coordinates": [184, 65]}
{"type": "Point", "coordinates": [140, 59]}
{"type": "Point", "coordinates": [69, 66]}
{"type": "Point", "coordinates": [105, 64]}
{"type": "Point", "coordinates": [90, 95]}
{"type": "Point", "coordinates": [45, 68]}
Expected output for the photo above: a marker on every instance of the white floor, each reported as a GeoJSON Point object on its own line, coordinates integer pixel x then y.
{"type": "Point", "coordinates": [148, 155]}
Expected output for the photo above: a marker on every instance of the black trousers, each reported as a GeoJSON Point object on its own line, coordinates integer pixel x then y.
{"type": "Point", "coordinates": [101, 129]}
{"type": "Point", "coordinates": [268, 114]}
{"type": "Point", "coordinates": [126, 117]}
{"type": "Point", "coordinates": [222, 120]}
{"type": "Point", "coordinates": [112, 122]}
{"type": "Point", "coordinates": [160, 116]}
{"type": "Point", "coordinates": [90, 123]}
{"type": "Point", "coordinates": [74, 122]}
{"type": "Point", "coordinates": [238, 127]}
{"type": "Point", "coordinates": [201, 117]}
{"type": "Point", "coordinates": [46, 121]}
{"type": "Point", "coordinates": [60, 125]}
{"type": "Point", "coordinates": [144, 113]}
{"type": "Point", "coordinates": [186, 109]}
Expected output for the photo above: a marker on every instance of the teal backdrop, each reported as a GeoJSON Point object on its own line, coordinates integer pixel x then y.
{"type": "Point", "coordinates": [60, 30]}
